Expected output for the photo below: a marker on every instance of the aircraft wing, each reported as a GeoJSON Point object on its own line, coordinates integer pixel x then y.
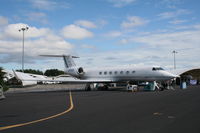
{"type": "Point", "coordinates": [81, 81]}
{"type": "Point", "coordinates": [25, 77]}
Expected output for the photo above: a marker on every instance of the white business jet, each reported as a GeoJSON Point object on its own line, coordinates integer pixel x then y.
{"type": "Point", "coordinates": [113, 74]}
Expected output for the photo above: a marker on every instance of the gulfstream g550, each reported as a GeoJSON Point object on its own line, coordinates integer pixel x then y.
{"type": "Point", "coordinates": [104, 75]}
{"type": "Point", "coordinates": [112, 74]}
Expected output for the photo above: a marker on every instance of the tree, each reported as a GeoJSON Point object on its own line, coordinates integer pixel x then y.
{"type": "Point", "coordinates": [32, 71]}
{"type": "Point", "coordinates": [5, 88]}
{"type": "Point", "coordinates": [53, 72]}
{"type": "Point", "coordinates": [1, 74]}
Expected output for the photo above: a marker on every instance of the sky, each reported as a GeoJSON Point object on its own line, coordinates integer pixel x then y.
{"type": "Point", "coordinates": [101, 32]}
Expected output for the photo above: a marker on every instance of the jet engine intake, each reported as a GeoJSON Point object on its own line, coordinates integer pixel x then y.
{"type": "Point", "coordinates": [80, 70]}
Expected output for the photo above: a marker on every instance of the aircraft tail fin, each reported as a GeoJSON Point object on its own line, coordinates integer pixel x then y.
{"type": "Point", "coordinates": [68, 59]}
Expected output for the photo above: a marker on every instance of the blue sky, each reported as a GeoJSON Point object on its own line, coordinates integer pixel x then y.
{"type": "Point", "coordinates": [101, 32]}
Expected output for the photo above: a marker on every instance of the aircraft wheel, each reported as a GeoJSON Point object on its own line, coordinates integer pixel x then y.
{"type": "Point", "coordinates": [87, 87]}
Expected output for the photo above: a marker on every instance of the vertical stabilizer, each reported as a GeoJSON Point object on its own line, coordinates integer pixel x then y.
{"type": "Point", "coordinates": [68, 59]}
{"type": "Point", "coordinates": [69, 62]}
{"type": "Point", "coordinates": [70, 65]}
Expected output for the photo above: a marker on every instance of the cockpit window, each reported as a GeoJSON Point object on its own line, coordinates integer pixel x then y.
{"type": "Point", "coordinates": [157, 68]}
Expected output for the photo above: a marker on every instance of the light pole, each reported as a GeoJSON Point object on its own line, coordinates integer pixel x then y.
{"type": "Point", "coordinates": [23, 29]}
{"type": "Point", "coordinates": [174, 52]}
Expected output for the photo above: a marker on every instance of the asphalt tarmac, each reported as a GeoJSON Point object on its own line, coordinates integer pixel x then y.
{"type": "Point", "coordinates": [169, 111]}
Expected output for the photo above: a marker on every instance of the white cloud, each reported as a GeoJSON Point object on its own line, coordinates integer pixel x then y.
{"type": "Point", "coordinates": [169, 3]}
{"type": "Point", "coordinates": [152, 49]}
{"type": "Point", "coordinates": [85, 23]}
{"type": "Point", "coordinates": [121, 3]}
{"type": "Point", "coordinates": [38, 17]}
{"type": "Point", "coordinates": [3, 21]}
{"type": "Point", "coordinates": [37, 41]}
{"type": "Point", "coordinates": [48, 4]}
{"type": "Point", "coordinates": [139, 57]}
{"type": "Point", "coordinates": [102, 22]}
{"type": "Point", "coordinates": [183, 39]}
{"type": "Point", "coordinates": [123, 41]}
{"type": "Point", "coordinates": [12, 50]}
{"type": "Point", "coordinates": [168, 15]}
{"type": "Point", "coordinates": [11, 31]}
{"type": "Point", "coordinates": [197, 26]}
{"type": "Point", "coordinates": [87, 46]}
{"type": "Point", "coordinates": [177, 21]}
{"type": "Point", "coordinates": [145, 55]}
{"type": "Point", "coordinates": [43, 4]}
{"type": "Point", "coordinates": [113, 34]}
{"type": "Point", "coordinates": [37, 14]}
{"type": "Point", "coordinates": [75, 32]}
{"type": "Point", "coordinates": [36, 47]}
{"type": "Point", "coordinates": [133, 21]}
{"type": "Point", "coordinates": [48, 46]}
{"type": "Point", "coordinates": [162, 44]}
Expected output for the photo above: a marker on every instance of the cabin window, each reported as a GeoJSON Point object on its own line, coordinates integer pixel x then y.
{"type": "Point", "coordinates": [115, 72]}
{"type": "Point", "coordinates": [161, 68]}
{"type": "Point", "coordinates": [121, 72]}
{"type": "Point", "coordinates": [100, 73]}
{"type": "Point", "coordinates": [105, 73]}
{"type": "Point", "coordinates": [127, 72]}
{"type": "Point", "coordinates": [110, 72]}
{"type": "Point", "coordinates": [133, 71]}
{"type": "Point", "coordinates": [157, 68]}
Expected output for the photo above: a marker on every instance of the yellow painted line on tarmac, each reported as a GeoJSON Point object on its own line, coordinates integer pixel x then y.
{"type": "Point", "coordinates": [43, 119]}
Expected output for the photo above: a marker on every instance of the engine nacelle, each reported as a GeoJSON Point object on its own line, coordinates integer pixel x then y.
{"type": "Point", "coordinates": [75, 71]}
{"type": "Point", "coordinates": [80, 71]}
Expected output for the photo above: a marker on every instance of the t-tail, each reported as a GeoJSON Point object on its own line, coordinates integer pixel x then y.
{"type": "Point", "coordinates": [70, 65]}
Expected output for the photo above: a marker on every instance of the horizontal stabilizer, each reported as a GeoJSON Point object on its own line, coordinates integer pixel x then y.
{"type": "Point", "coordinates": [60, 56]}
